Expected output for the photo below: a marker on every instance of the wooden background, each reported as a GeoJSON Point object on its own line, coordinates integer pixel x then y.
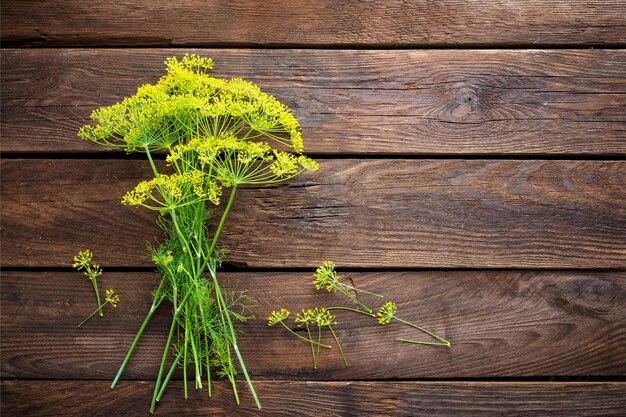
{"type": "Point", "coordinates": [471, 167]}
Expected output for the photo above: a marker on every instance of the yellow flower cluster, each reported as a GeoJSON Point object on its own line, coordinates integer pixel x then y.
{"type": "Point", "coordinates": [163, 259]}
{"type": "Point", "coordinates": [81, 262]}
{"type": "Point", "coordinates": [320, 316]}
{"type": "Point", "coordinates": [111, 297]}
{"type": "Point", "coordinates": [323, 317]}
{"type": "Point", "coordinates": [174, 189]}
{"type": "Point", "coordinates": [82, 259]}
{"type": "Point", "coordinates": [240, 162]}
{"type": "Point", "coordinates": [305, 316]}
{"type": "Point", "coordinates": [187, 103]}
{"type": "Point", "coordinates": [277, 316]}
{"type": "Point", "coordinates": [326, 277]}
{"type": "Point", "coordinates": [216, 133]}
{"type": "Point", "coordinates": [387, 312]}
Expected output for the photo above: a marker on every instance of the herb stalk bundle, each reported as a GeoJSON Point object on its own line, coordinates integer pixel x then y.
{"type": "Point", "coordinates": [217, 135]}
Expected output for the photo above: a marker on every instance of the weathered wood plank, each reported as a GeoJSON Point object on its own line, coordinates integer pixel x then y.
{"type": "Point", "coordinates": [361, 213]}
{"type": "Point", "coordinates": [357, 102]}
{"type": "Point", "coordinates": [378, 23]}
{"type": "Point", "coordinates": [289, 398]}
{"type": "Point", "coordinates": [501, 324]}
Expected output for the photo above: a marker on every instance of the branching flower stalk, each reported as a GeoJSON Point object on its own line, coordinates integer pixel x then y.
{"type": "Point", "coordinates": [320, 317]}
{"type": "Point", "coordinates": [82, 261]}
{"type": "Point", "coordinates": [110, 298]}
{"type": "Point", "coordinates": [326, 277]}
{"type": "Point", "coordinates": [217, 135]}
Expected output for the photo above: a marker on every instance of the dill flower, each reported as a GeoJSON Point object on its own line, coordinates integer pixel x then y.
{"type": "Point", "coordinates": [82, 261]}
{"type": "Point", "coordinates": [326, 277]}
{"type": "Point", "coordinates": [278, 316]}
{"type": "Point", "coordinates": [286, 164]}
{"type": "Point", "coordinates": [163, 258]}
{"type": "Point", "coordinates": [111, 297]}
{"type": "Point", "coordinates": [387, 312]}
{"type": "Point", "coordinates": [323, 317]}
{"type": "Point", "coordinates": [305, 317]}
{"type": "Point", "coordinates": [308, 163]}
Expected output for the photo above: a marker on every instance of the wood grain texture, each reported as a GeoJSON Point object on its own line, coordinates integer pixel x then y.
{"type": "Point", "coordinates": [345, 399]}
{"type": "Point", "coordinates": [522, 102]}
{"type": "Point", "coordinates": [300, 22]}
{"type": "Point", "coordinates": [360, 213]}
{"type": "Point", "coordinates": [501, 324]}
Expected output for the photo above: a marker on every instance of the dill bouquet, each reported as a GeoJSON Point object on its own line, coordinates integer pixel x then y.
{"type": "Point", "coordinates": [218, 135]}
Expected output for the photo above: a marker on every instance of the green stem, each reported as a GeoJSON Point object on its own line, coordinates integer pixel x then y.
{"type": "Point", "coordinates": [194, 351]}
{"type": "Point", "coordinates": [162, 367]}
{"type": "Point", "coordinates": [95, 288]}
{"type": "Point", "coordinates": [338, 345]}
{"type": "Point", "coordinates": [308, 330]}
{"type": "Point", "coordinates": [168, 376]}
{"type": "Point", "coordinates": [351, 309]}
{"type": "Point", "coordinates": [423, 343]}
{"type": "Point", "coordinates": [92, 314]}
{"type": "Point", "coordinates": [154, 307]}
{"type": "Point", "coordinates": [444, 341]}
{"type": "Point", "coordinates": [230, 324]}
{"type": "Point", "coordinates": [208, 365]}
{"type": "Point", "coordinates": [356, 300]}
{"type": "Point", "coordinates": [154, 170]}
{"type": "Point", "coordinates": [221, 224]}
{"type": "Point", "coordinates": [350, 287]}
{"type": "Point", "coordinates": [303, 338]}
{"type": "Point", "coordinates": [185, 358]}
{"type": "Point", "coordinates": [183, 240]}
{"type": "Point", "coordinates": [319, 343]}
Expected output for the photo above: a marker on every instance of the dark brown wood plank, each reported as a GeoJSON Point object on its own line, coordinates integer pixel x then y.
{"type": "Point", "coordinates": [360, 213]}
{"type": "Point", "coordinates": [501, 324]}
{"type": "Point", "coordinates": [521, 102]}
{"type": "Point", "coordinates": [379, 23]}
{"type": "Point", "coordinates": [289, 398]}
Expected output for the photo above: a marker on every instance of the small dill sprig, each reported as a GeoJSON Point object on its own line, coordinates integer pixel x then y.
{"type": "Point", "coordinates": [82, 261]}
{"type": "Point", "coordinates": [388, 312]}
{"type": "Point", "coordinates": [326, 278]}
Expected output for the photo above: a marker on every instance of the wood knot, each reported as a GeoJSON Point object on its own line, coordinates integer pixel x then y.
{"type": "Point", "coordinates": [465, 104]}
